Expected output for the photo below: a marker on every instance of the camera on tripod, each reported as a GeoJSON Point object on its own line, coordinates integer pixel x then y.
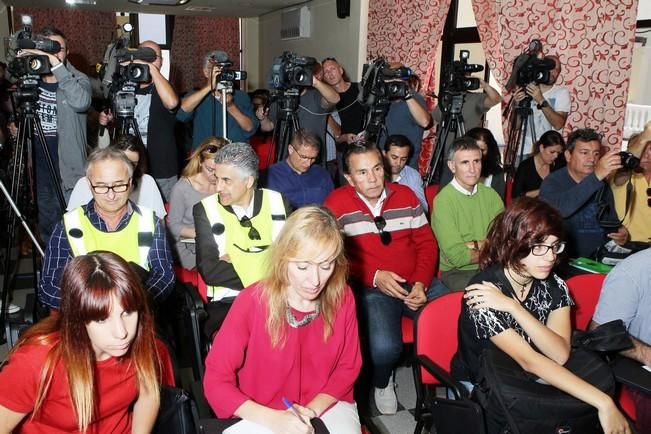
{"type": "Point", "coordinates": [529, 68]}
{"type": "Point", "coordinates": [224, 80]}
{"type": "Point", "coordinates": [291, 71]}
{"type": "Point", "coordinates": [456, 78]}
{"type": "Point", "coordinates": [380, 83]}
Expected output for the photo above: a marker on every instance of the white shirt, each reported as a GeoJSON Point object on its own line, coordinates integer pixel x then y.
{"type": "Point", "coordinates": [558, 98]}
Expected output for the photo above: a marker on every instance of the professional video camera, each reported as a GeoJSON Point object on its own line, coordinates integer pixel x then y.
{"type": "Point", "coordinates": [291, 71]}
{"type": "Point", "coordinates": [226, 77]}
{"type": "Point", "coordinates": [120, 80]}
{"type": "Point", "coordinates": [529, 68]}
{"type": "Point", "coordinates": [28, 69]}
{"type": "Point", "coordinates": [380, 83]}
{"type": "Point", "coordinates": [455, 78]}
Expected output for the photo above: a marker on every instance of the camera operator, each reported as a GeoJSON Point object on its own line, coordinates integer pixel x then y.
{"type": "Point", "coordinates": [315, 102]}
{"type": "Point", "coordinates": [475, 105]}
{"type": "Point", "coordinates": [351, 111]}
{"type": "Point", "coordinates": [64, 98]}
{"type": "Point", "coordinates": [550, 104]}
{"type": "Point", "coordinates": [206, 112]}
{"type": "Point", "coordinates": [154, 113]}
{"type": "Point", "coordinates": [409, 117]}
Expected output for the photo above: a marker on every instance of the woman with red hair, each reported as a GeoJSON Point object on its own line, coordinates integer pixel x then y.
{"type": "Point", "coordinates": [93, 366]}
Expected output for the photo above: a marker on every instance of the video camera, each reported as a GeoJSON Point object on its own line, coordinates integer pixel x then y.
{"type": "Point", "coordinates": [455, 78]}
{"type": "Point", "coordinates": [291, 71]}
{"type": "Point", "coordinates": [380, 83]}
{"type": "Point", "coordinates": [226, 75]}
{"type": "Point", "coordinates": [120, 81]}
{"type": "Point", "coordinates": [528, 68]}
{"type": "Point", "coordinates": [28, 69]}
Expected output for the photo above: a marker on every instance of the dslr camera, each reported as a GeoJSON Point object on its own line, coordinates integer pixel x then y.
{"type": "Point", "coordinates": [291, 71]}
{"type": "Point", "coordinates": [380, 83]}
{"type": "Point", "coordinates": [226, 75]}
{"type": "Point", "coordinates": [629, 161]}
{"type": "Point", "coordinates": [456, 78]}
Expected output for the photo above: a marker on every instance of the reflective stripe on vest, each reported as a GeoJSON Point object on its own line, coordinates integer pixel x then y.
{"type": "Point", "coordinates": [247, 256]}
{"type": "Point", "coordinates": [132, 242]}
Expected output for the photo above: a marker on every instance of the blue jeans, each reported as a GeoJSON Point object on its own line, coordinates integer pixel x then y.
{"type": "Point", "coordinates": [382, 317]}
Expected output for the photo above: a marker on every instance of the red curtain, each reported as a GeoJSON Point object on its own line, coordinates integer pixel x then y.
{"type": "Point", "coordinates": [594, 40]}
{"type": "Point", "coordinates": [409, 32]}
{"type": "Point", "coordinates": [87, 33]}
{"type": "Point", "coordinates": [193, 38]}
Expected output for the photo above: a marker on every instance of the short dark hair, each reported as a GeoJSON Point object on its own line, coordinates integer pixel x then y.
{"type": "Point", "coordinates": [356, 149]}
{"type": "Point", "coordinates": [303, 136]}
{"type": "Point", "coordinates": [549, 138]}
{"type": "Point", "coordinates": [513, 232]}
{"type": "Point", "coordinates": [491, 164]}
{"type": "Point", "coordinates": [129, 142]}
{"type": "Point", "coordinates": [52, 31]}
{"type": "Point", "coordinates": [400, 141]}
{"type": "Point", "coordinates": [582, 134]}
{"type": "Point", "coordinates": [463, 143]}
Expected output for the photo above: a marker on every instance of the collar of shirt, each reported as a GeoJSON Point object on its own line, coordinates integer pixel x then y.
{"type": "Point", "coordinates": [248, 211]}
{"type": "Point", "coordinates": [377, 209]}
{"type": "Point", "coordinates": [100, 224]}
{"type": "Point", "coordinates": [462, 190]}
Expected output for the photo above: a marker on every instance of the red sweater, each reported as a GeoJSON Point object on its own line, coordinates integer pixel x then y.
{"type": "Point", "coordinates": [116, 390]}
{"type": "Point", "coordinates": [411, 253]}
{"type": "Point", "coordinates": [242, 364]}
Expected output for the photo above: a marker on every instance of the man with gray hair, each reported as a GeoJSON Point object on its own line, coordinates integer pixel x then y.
{"type": "Point", "coordinates": [204, 107]}
{"type": "Point", "coordinates": [110, 221]}
{"type": "Point", "coordinates": [235, 227]}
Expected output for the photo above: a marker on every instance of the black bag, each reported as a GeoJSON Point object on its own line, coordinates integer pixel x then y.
{"type": "Point", "coordinates": [610, 337]}
{"type": "Point", "coordinates": [177, 413]}
{"type": "Point", "coordinates": [514, 402]}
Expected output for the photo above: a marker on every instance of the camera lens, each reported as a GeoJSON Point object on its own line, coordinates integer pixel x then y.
{"type": "Point", "coordinates": [629, 161]}
{"type": "Point", "coordinates": [35, 64]}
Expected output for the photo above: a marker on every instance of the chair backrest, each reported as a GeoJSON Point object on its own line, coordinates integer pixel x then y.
{"type": "Point", "coordinates": [436, 332]}
{"type": "Point", "coordinates": [430, 192]}
{"type": "Point", "coordinates": [585, 290]}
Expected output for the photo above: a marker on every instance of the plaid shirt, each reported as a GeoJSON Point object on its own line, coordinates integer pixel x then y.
{"type": "Point", "coordinates": [160, 282]}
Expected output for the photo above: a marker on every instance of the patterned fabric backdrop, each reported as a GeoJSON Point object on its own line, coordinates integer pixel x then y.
{"type": "Point", "coordinates": [87, 33]}
{"type": "Point", "coordinates": [193, 38]}
{"type": "Point", "coordinates": [593, 38]}
{"type": "Point", "coordinates": [409, 32]}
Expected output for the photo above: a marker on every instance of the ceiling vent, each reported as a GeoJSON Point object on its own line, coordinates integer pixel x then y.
{"type": "Point", "coordinates": [295, 23]}
{"type": "Point", "coordinates": [159, 2]}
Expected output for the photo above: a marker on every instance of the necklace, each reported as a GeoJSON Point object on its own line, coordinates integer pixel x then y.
{"type": "Point", "coordinates": [522, 285]}
{"type": "Point", "coordinates": [292, 321]}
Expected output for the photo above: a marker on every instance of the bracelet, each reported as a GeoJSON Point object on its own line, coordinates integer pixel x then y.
{"type": "Point", "coordinates": [408, 96]}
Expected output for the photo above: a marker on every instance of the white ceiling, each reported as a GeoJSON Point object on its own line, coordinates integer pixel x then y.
{"type": "Point", "coordinates": [238, 8]}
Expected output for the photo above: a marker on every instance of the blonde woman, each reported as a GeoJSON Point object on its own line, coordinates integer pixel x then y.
{"type": "Point", "coordinates": [197, 182]}
{"type": "Point", "coordinates": [291, 339]}
{"type": "Point", "coordinates": [93, 367]}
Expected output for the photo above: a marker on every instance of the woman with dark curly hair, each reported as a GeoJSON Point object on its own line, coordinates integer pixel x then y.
{"type": "Point", "coordinates": [518, 305]}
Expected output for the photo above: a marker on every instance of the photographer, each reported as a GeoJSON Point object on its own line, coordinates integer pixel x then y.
{"type": "Point", "coordinates": [315, 102]}
{"type": "Point", "coordinates": [207, 112]}
{"type": "Point", "coordinates": [550, 105]}
{"type": "Point", "coordinates": [154, 114]}
{"type": "Point", "coordinates": [64, 96]}
{"type": "Point", "coordinates": [409, 117]}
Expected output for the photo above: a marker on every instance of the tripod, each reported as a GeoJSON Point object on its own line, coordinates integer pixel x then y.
{"type": "Point", "coordinates": [452, 122]}
{"type": "Point", "coordinates": [287, 123]}
{"type": "Point", "coordinates": [374, 125]}
{"type": "Point", "coordinates": [520, 118]}
{"type": "Point", "coordinates": [20, 191]}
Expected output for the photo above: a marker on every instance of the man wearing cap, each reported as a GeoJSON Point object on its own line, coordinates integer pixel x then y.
{"type": "Point", "coordinates": [206, 111]}
{"type": "Point", "coordinates": [637, 214]}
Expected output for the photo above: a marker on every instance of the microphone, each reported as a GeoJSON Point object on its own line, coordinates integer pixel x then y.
{"type": "Point", "coordinates": [145, 54]}
{"type": "Point", "coordinates": [47, 45]}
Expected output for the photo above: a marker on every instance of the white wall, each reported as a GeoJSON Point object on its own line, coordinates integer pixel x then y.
{"type": "Point", "coordinates": [344, 39]}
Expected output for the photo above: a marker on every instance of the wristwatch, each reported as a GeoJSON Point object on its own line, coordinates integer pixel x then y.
{"type": "Point", "coordinates": [542, 105]}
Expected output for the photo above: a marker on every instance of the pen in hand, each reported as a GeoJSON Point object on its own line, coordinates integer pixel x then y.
{"type": "Point", "coordinates": [291, 408]}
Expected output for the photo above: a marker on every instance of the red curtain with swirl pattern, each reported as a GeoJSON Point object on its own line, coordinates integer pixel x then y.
{"type": "Point", "coordinates": [593, 38]}
{"type": "Point", "coordinates": [193, 38]}
{"type": "Point", "coordinates": [409, 32]}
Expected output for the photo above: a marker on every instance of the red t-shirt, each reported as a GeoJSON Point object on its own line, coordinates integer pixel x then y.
{"type": "Point", "coordinates": [116, 385]}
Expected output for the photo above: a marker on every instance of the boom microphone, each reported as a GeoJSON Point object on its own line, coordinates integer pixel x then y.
{"type": "Point", "coordinates": [145, 54]}
{"type": "Point", "coordinates": [47, 45]}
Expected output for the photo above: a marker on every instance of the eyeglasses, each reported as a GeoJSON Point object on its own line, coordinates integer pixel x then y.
{"type": "Point", "coordinates": [245, 222]}
{"type": "Point", "coordinates": [103, 189]}
{"type": "Point", "coordinates": [380, 224]}
{"type": "Point", "coordinates": [542, 249]}
{"type": "Point", "coordinates": [648, 197]}
{"type": "Point", "coordinates": [305, 157]}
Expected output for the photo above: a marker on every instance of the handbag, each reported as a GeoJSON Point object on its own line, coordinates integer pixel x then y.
{"type": "Point", "coordinates": [610, 337]}
{"type": "Point", "coordinates": [177, 413]}
{"type": "Point", "coordinates": [515, 401]}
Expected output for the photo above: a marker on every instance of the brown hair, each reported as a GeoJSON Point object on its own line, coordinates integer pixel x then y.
{"type": "Point", "coordinates": [511, 235]}
{"type": "Point", "coordinates": [88, 285]}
